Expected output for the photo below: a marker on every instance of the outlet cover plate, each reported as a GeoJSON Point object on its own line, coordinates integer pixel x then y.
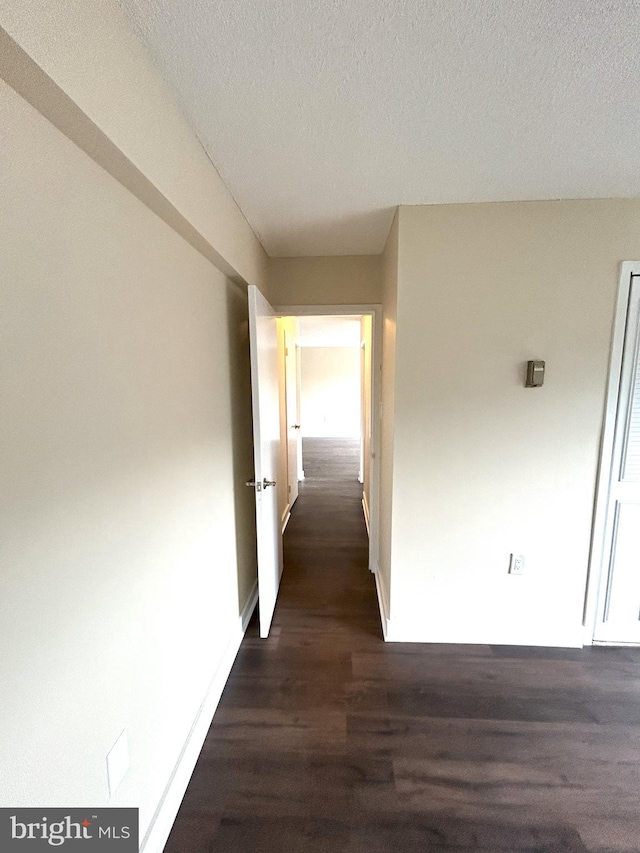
{"type": "Point", "coordinates": [516, 564]}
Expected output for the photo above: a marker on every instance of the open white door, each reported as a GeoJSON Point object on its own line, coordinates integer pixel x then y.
{"type": "Point", "coordinates": [619, 607]}
{"type": "Point", "coordinates": [263, 339]}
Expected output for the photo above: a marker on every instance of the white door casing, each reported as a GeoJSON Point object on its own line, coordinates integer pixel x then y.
{"type": "Point", "coordinates": [263, 339]}
{"type": "Point", "coordinates": [616, 546]}
{"type": "Point", "coordinates": [298, 392]}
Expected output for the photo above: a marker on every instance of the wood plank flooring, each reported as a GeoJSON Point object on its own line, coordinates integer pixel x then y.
{"type": "Point", "coordinates": [328, 740]}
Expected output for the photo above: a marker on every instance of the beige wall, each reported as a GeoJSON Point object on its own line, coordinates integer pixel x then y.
{"type": "Point", "coordinates": [128, 538]}
{"type": "Point", "coordinates": [389, 317]}
{"type": "Point", "coordinates": [126, 431]}
{"type": "Point", "coordinates": [330, 392]}
{"type": "Point", "coordinates": [483, 466]}
{"type": "Point", "coordinates": [345, 280]}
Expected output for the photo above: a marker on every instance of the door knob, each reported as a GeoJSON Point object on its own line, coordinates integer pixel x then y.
{"type": "Point", "coordinates": [295, 426]}
{"type": "Point", "coordinates": [256, 484]}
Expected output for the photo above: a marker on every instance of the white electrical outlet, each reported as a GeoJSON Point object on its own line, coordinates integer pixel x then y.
{"type": "Point", "coordinates": [117, 762]}
{"type": "Point", "coordinates": [516, 564]}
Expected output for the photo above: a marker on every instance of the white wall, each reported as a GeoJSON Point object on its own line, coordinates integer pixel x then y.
{"type": "Point", "coordinates": [330, 392]}
{"type": "Point", "coordinates": [128, 540]}
{"type": "Point", "coordinates": [482, 465]}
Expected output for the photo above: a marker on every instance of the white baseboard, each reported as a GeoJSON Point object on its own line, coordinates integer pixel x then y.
{"type": "Point", "coordinates": [365, 509]}
{"type": "Point", "coordinates": [383, 604]}
{"type": "Point", "coordinates": [162, 821]}
{"type": "Point", "coordinates": [285, 521]}
{"type": "Point", "coordinates": [250, 606]}
{"type": "Point", "coordinates": [409, 631]}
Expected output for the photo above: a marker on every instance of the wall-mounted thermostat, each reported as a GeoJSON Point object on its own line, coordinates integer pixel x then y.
{"type": "Point", "coordinates": [535, 374]}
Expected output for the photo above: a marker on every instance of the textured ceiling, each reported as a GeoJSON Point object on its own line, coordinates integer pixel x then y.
{"type": "Point", "coordinates": [323, 115]}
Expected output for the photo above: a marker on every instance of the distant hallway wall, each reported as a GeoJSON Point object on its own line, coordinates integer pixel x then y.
{"type": "Point", "coordinates": [330, 392]}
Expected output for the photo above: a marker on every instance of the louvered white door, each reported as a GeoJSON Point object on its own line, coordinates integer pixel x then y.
{"type": "Point", "coordinates": [619, 606]}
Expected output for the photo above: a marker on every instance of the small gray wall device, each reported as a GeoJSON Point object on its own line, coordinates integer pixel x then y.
{"type": "Point", "coordinates": [535, 374]}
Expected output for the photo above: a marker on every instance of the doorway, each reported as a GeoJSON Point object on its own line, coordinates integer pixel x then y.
{"type": "Point", "coordinates": [276, 403]}
{"type": "Point", "coordinates": [330, 395]}
{"type": "Point", "coordinates": [333, 432]}
{"type": "Point", "coordinates": [613, 602]}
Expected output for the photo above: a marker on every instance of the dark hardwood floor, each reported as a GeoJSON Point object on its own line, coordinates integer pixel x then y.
{"type": "Point", "coordinates": [329, 740]}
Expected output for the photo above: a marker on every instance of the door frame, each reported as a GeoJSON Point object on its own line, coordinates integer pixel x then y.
{"type": "Point", "coordinates": [598, 564]}
{"type": "Point", "coordinates": [375, 312]}
{"type": "Point", "coordinates": [288, 358]}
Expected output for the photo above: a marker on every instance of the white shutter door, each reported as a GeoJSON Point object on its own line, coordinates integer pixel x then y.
{"type": "Point", "coordinates": [631, 447]}
{"type": "Point", "coordinates": [619, 606]}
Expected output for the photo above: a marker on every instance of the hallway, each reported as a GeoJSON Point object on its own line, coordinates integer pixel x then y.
{"type": "Point", "coordinates": [327, 740]}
